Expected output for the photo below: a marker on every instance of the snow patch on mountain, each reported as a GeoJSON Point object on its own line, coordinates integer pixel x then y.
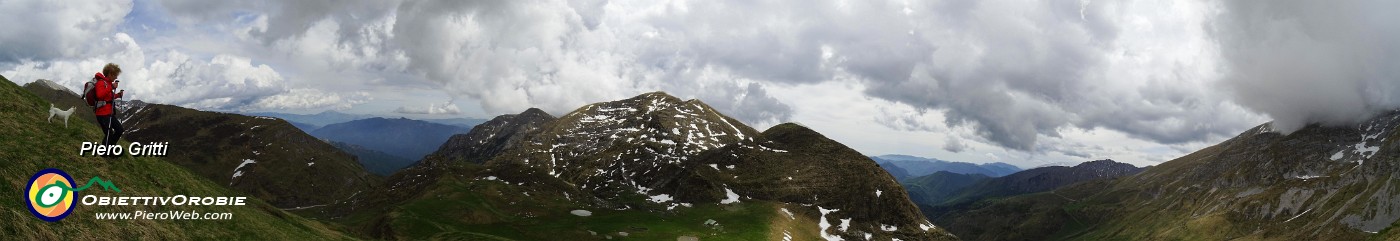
{"type": "Point", "coordinates": [1366, 151]}
{"type": "Point", "coordinates": [823, 225]}
{"type": "Point", "coordinates": [731, 197]}
{"type": "Point", "coordinates": [581, 213]}
{"type": "Point", "coordinates": [1372, 134]}
{"type": "Point", "coordinates": [845, 224]}
{"type": "Point", "coordinates": [238, 171]}
{"type": "Point", "coordinates": [660, 198]}
{"type": "Point", "coordinates": [926, 226]}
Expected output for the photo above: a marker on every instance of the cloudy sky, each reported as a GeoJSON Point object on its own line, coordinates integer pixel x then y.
{"type": "Point", "coordinates": [1025, 82]}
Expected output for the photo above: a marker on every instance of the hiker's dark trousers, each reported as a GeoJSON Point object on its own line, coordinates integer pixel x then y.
{"type": "Point", "coordinates": [111, 129]}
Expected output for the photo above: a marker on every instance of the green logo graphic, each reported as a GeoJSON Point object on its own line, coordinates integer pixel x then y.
{"type": "Point", "coordinates": [61, 190]}
{"type": "Point", "coordinates": [50, 193]}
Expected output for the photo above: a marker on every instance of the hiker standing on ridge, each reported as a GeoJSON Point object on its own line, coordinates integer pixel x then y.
{"type": "Point", "coordinates": [106, 86]}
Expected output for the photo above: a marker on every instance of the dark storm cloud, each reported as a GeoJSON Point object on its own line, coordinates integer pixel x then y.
{"type": "Point", "coordinates": [47, 30]}
{"type": "Point", "coordinates": [752, 104]}
{"type": "Point", "coordinates": [1010, 74]}
{"type": "Point", "coordinates": [1301, 62]}
{"type": "Point", "coordinates": [511, 55]}
{"type": "Point", "coordinates": [954, 145]}
{"type": "Point", "coordinates": [1018, 71]}
{"type": "Point", "coordinates": [795, 41]}
{"type": "Point", "coordinates": [289, 18]}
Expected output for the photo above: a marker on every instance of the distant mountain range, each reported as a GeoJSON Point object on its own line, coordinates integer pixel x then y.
{"type": "Point", "coordinates": [466, 123]}
{"type": "Point", "coordinates": [1028, 181]}
{"type": "Point", "coordinates": [376, 162]}
{"type": "Point", "coordinates": [912, 166]}
{"type": "Point", "coordinates": [898, 172]}
{"type": "Point", "coordinates": [401, 137]}
{"type": "Point", "coordinates": [932, 189]}
{"type": "Point", "coordinates": [309, 123]}
{"type": "Point", "coordinates": [943, 195]}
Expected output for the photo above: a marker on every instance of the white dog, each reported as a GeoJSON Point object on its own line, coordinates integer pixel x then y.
{"type": "Point", "coordinates": [60, 113]}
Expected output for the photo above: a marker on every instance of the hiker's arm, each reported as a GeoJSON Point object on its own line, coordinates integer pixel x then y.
{"type": "Point", "coordinates": [114, 87]}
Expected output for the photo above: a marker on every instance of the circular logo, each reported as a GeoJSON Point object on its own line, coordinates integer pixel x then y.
{"type": "Point", "coordinates": [50, 194]}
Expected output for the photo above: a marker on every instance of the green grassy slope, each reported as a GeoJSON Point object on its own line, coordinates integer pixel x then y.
{"type": "Point", "coordinates": [940, 186]}
{"type": "Point", "coordinates": [376, 162]}
{"type": "Point", "coordinates": [28, 144]}
{"type": "Point", "coordinates": [467, 202]}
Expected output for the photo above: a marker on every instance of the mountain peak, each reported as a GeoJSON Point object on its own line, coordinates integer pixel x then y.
{"type": "Point", "coordinates": [1103, 162]}
{"type": "Point", "coordinates": [657, 95]}
{"type": "Point", "coordinates": [50, 84]}
{"type": "Point", "coordinates": [601, 143]}
{"type": "Point", "coordinates": [919, 166]}
{"type": "Point", "coordinates": [901, 157]}
{"type": "Point", "coordinates": [793, 131]}
{"type": "Point", "coordinates": [655, 98]}
{"type": "Point", "coordinates": [662, 123]}
{"type": "Point", "coordinates": [535, 112]}
{"type": "Point", "coordinates": [491, 137]}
